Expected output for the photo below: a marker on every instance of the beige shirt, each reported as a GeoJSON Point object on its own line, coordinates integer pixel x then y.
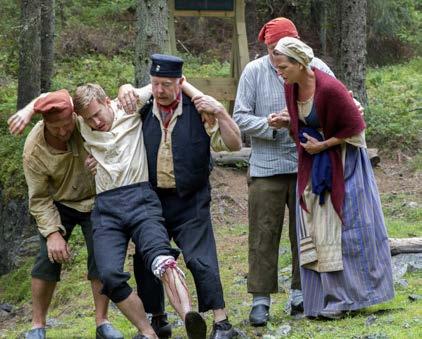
{"type": "Point", "coordinates": [165, 167]}
{"type": "Point", "coordinates": [120, 152]}
{"type": "Point", "coordinates": [54, 175]}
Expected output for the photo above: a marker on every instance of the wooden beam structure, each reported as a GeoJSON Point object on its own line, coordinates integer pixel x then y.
{"type": "Point", "coordinates": [222, 88]}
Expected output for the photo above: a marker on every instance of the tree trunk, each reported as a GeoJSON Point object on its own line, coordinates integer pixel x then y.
{"type": "Point", "coordinates": [152, 36]}
{"type": "Point", "coordinates": [353, 47]}
{"type": "Point", "coordinates": [251, 17]}
{"type": "Point", "coordinates": [319, 13]}
{"type": "Point", "coordinates": [29, 52]}
{"type": "Point", "coordinates": [335, 28]}
{"type": "Point", "coordinates": [47, 43]}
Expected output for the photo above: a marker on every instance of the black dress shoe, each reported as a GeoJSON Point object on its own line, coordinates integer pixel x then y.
{"type": "Point", "coordinates": [332, 315]}
{"type": "Point", "coordinates": [259, 315]}
{"type": "Point", "coordinates": [139, 336]}
{"type": "Point", "coordinates": [196, 328]}
{"type": "Point", "coordinates": [296, 309]}
{"type": "Point", "coordinates": [35, 333]}
{"type": "Point", "coordinates": [161, 326]}
{"type": "Point", "coordinates": [223, 330]}
{"type": "Point", "coordinates": [107, 331]}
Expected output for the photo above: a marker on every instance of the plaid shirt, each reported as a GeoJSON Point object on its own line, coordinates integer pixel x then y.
{"type": "Point", "coordinates": [260, 93]}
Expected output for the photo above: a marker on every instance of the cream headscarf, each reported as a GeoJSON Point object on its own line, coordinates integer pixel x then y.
{"type": "Point", "coordinates": [295, 49]}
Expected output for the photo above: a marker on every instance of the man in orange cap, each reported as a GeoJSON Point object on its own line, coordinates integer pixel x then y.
{"type": "Point", "coordinates": [272, 172]}
{"type": "Point", "coordinates": [61, 194]}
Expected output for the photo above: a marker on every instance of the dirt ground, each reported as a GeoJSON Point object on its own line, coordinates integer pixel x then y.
{"type": "Point", "coordinates": [230, 193]}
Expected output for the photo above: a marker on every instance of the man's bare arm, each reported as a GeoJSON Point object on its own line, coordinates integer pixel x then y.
{"type": "Point", "coordinates": [18, 121]}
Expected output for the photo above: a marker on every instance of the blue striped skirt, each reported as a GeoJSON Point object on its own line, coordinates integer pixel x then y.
{"type": "Point", "coordinates": [367, 276]}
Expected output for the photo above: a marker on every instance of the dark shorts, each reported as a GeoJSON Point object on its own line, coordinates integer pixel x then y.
{"type": "Point", "coordinates": [45, 270]}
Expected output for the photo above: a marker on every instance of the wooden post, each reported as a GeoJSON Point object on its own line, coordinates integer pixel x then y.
{"type": "Point", "coordinates": [172, 31]}
{"type": "Point", "coordinates": [220, 88]}
{"type": "Point", "coordinates": [241, 38]}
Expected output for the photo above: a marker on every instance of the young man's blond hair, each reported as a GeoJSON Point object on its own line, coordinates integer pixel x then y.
{"type": "Point", "coordinates": [85, 94]}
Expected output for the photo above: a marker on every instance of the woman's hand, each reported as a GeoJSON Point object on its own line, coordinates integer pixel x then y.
{"type": "Point", "coordinates": [312, 145]}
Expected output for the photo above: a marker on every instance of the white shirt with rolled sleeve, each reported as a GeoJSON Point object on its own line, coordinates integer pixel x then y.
{"type": "Point", "coordinates": [120, 152]}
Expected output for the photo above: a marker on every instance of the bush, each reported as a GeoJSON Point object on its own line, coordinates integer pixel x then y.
{"type": "Point", "coordinates": [79, 39]}
{"type": "Point", "coordinates": [394, 115]}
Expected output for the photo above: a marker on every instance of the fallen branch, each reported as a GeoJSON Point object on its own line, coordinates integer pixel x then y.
{"type": "Point", "coordinates": [405, 245]}
{"type": "Point", "coordinates": [241, 158]}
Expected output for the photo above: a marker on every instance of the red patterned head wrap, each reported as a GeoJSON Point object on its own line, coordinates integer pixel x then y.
{"type": "Point", "coordinates": [276, 29]}
{"type": "Point", "coordinates": [54, 106]}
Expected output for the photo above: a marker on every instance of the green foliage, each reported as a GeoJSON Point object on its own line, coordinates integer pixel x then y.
{"type": "Point", "coordinates": [11, 174]}
{"type": "Point", "coordinates": [194, 67]}
{"type": "Point", "coordinates": [394, 30]}
{"type": "Point", "coordinates": [395, 18]}
{"type": "Point", "coordinates": [394, 115]}
{"type": "Point", "coordinates": [110, 73]}
{"type": "Point", "coordinates": [9, 30]}
{"type": "Point", "coordinates": [90, 11]}
{"type": "Point", "coordinates": [416, 162]}
{"type": "Point", "coordinates": [16, 286]}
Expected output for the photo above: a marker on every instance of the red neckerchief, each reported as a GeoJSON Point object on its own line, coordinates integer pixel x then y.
{"type": "Point", "coordinates": [168, 110]}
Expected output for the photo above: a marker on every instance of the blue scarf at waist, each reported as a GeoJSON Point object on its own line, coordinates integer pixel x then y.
{"type": "Point", "coordinates": [321, 166]}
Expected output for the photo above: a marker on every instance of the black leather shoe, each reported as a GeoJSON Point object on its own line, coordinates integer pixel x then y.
{"type": "Point", "coordinates": [332, 315]}
{"type": "Point", "coordinates": [223, 330]}
{"type": "Point", "coordinates": [259, 315]}
{"type": "Point", "coordinates": [35, 333]}
{"type": "Point", "coordinates": [196, 328]}
{"type": "Point", "coordinates": [296, 309]}
{"type": "Point", "coordinates": [161, 326]}
{"type": "Point", "coordinates": [139, 336]}
{"type": "Point", "coordinates": [107, 331]}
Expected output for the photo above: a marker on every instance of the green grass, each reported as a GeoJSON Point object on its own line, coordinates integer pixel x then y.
{"type": "Point", "coordinates": [402, 218]}
{"type": "Point", "coordinates": [73, 307]}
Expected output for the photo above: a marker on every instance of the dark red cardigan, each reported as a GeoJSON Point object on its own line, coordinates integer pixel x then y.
{"type": "Point", "coordinates": [338, 117]}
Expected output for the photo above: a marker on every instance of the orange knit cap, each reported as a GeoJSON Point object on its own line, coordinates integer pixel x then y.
{"type": "Point", "coordinates": [276, 29]}
{"type": "Point", "coordinates": [54, 106]}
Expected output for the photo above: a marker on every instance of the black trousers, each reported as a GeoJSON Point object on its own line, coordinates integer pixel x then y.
{"type": "Point", "coordinates": [128, 212]}
{"type": "Point", "coordinates": [188, 222]}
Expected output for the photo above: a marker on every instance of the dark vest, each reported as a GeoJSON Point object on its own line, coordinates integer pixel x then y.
{"type": "Point", "coordinates": [190, 146]}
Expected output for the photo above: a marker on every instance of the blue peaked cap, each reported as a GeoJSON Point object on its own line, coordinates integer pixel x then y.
{"type": "Point", "coordinates": [167, 66]}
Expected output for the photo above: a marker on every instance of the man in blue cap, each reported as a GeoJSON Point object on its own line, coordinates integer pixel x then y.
{"type": "Point", "coordinates": [178, 133]}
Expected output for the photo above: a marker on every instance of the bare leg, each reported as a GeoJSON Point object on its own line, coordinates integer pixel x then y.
{"type": "Point", "coordinates": [42, 293]}
{"type": "Point", "coordinates": [177, 291]}
{"type": "Point", "coordinates": [133, 309]}
{"type": "Point", "coordinates": [100, 301]}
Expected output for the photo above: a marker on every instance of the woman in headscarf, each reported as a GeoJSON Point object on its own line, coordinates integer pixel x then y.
{"type": "Point", "coordinates": [343, 244]}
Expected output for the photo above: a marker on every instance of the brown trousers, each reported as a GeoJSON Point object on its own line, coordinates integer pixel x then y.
{"type": "Point", "coordinates": [268, 197]}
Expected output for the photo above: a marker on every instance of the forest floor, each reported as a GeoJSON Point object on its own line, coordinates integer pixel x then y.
{"type": "Point", "coordinates": [400, 185]}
